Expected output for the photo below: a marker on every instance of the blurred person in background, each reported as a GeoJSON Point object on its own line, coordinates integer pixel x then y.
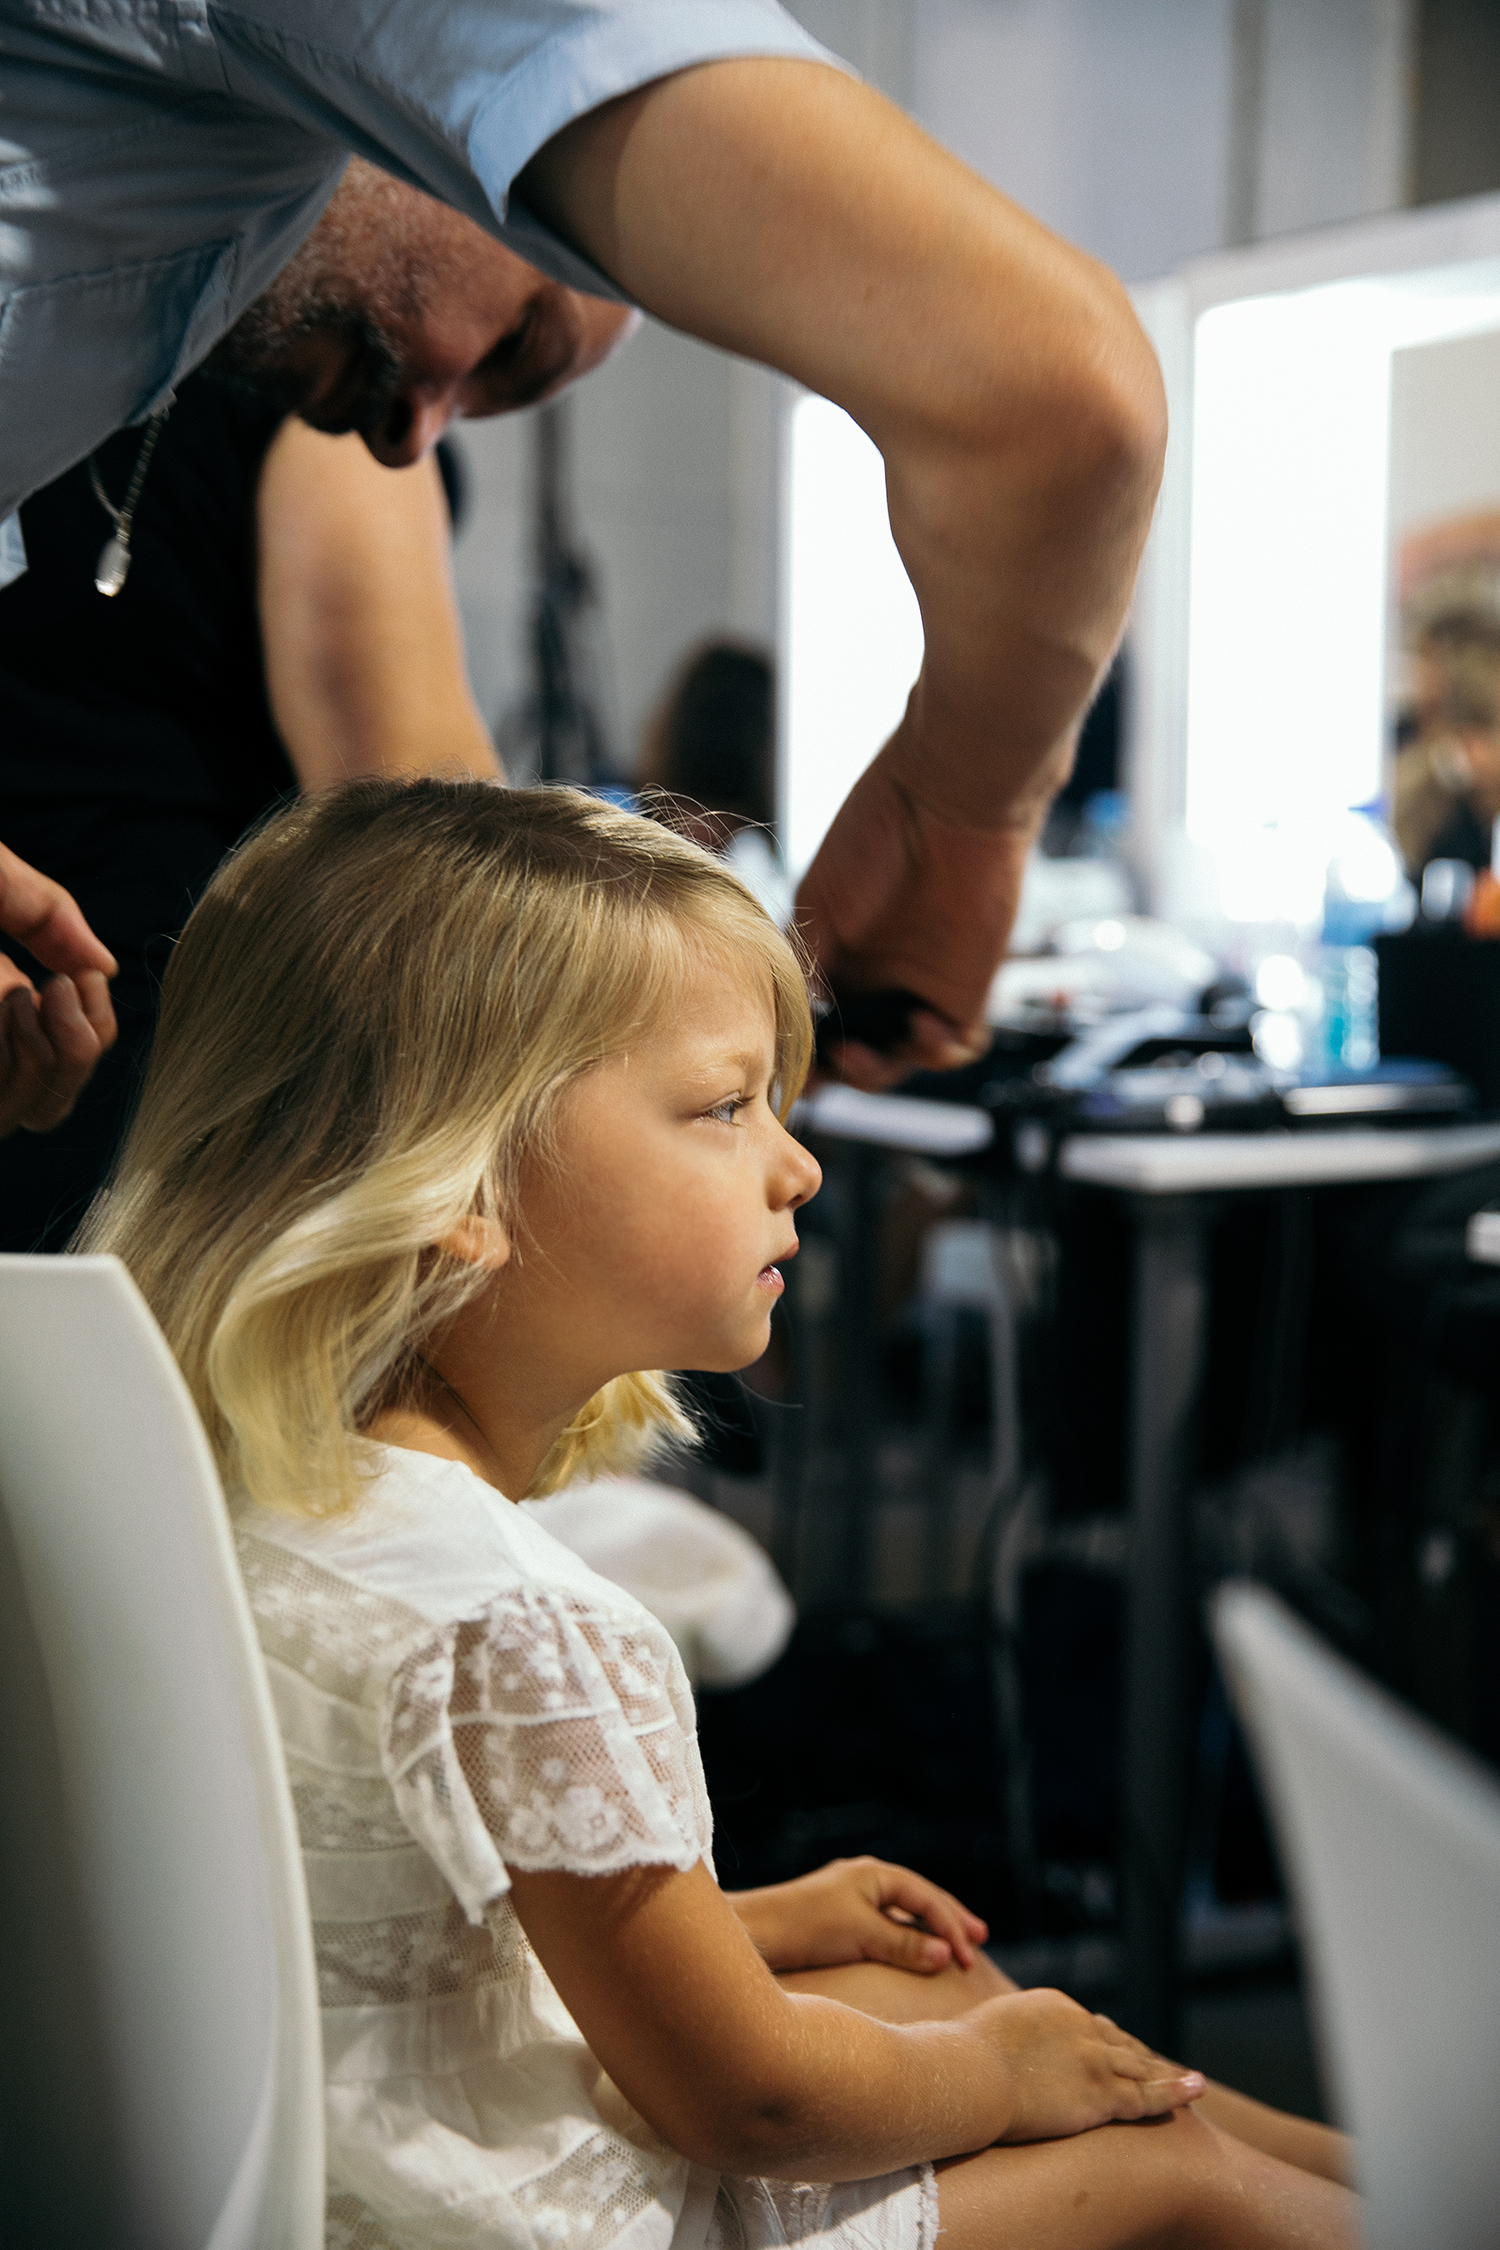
{"type": "Point", "coordinates": [708, 763]}
{"type": "Point", "coordinates": [1446, 789]}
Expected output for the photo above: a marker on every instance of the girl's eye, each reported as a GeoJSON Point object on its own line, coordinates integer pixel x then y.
{"type": "Point", "coordinates": [725, 1112]}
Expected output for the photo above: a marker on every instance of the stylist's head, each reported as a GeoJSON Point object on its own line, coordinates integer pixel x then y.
{"type": "Point", "coordinates": [397, 315]}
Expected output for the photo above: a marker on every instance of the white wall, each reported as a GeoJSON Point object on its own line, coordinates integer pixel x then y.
{"type": "Point", "coordinates": [1149, 131]}
{"type": "Point", "coordinates": [673, 485]}
{"type": "Point", "coordinates": [1107, 118]}
{"type": "Point", "coordinates": [1335, 109]}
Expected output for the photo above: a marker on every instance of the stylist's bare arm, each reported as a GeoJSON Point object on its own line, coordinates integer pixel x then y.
{"type": "Point", "coordinates": [784, 211]}
{"type": "Point", "coordinates": [49, 1041]}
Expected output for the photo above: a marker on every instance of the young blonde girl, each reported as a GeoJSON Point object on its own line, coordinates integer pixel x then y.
{"type": "Point", "coordinates": [466, 1113]}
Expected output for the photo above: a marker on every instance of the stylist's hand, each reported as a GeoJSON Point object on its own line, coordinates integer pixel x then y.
{"type": "Point", "coordinates": [49, 1042]}
{"type": "Point", "coordinates": [859, 1910]}
{"type": "Point", "coordinates": [898, 897]}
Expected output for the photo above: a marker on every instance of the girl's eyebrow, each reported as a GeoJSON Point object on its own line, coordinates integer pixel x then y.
{"type": "Point", "coordinates": [744, 1062]}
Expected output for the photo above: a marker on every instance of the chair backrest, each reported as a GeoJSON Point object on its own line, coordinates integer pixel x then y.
{"type": "Point", "coordinates": [1390, 1836]}
{"type": "Point", "coordinates": [151, 1846]}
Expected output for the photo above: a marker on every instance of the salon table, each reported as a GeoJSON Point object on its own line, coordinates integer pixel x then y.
{"type": "Point", "coordinates": [1173, 1186]}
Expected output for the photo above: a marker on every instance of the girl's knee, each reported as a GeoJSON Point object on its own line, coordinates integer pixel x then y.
{"type": "Point", "coordinates": [1187, 2170]}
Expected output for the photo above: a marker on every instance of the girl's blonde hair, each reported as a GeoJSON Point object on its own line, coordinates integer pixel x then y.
{"type": "Point", "coordinates": [365, 1032]}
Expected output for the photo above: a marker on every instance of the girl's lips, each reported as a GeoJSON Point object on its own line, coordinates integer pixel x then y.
{"type": "Point", "coordinates": [769, 1277]}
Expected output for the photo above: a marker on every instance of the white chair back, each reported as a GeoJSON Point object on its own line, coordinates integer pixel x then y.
{"type": "Point", "coordinates": [1390, 1836]}
{"type": "Point", "coordinates": [149, 1826]}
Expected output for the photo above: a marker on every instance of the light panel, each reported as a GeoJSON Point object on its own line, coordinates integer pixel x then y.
{"type": "Point", "coordinates": [851, 629]}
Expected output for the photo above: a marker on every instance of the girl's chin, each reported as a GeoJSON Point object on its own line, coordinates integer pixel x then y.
{"type": "Point", "coordinates": [741, 1355]}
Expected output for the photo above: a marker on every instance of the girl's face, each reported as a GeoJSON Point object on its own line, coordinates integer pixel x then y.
{"type": "Point", "coordinates": [655, 1240]}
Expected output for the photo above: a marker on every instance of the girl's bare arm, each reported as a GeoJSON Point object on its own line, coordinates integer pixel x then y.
{"type": "Point", "coordinates": [740, 2074]}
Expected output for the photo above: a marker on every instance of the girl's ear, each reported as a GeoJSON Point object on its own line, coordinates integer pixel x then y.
{"type": "Point", "coordinates": [478, 1242]}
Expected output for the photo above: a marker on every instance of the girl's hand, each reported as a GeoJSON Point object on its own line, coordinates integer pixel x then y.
{"type": "Point", "coordinates": [859, 1910]}
{"type": "Point", "coordinates": [1069, 2071]}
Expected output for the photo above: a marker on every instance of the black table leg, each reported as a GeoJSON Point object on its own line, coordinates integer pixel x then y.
{"type": "Point", "coordinates": [859, 1369]}
{"type": "Point", "coordinates": [1170, 1315]}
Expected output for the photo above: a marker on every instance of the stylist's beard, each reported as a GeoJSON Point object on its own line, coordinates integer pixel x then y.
{"type": "Point", "coordinates": [266, 353]}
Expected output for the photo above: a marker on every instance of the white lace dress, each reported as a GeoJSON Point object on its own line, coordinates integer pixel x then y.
{"type": "Point", "coordinates": [458, 1692]}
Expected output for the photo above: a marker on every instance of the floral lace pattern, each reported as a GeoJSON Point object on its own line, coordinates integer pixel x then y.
{"type": "Point", "coordinates": [339, 1635]}
{"type": "Point", "coordinates": [360, 1815]}
{"type": "Point", "coordinates": [405, 1957]}
{"type": "Point", "coordinates": [542, 1734]}
{"type": "Point", "coordinates": [594, 2193]}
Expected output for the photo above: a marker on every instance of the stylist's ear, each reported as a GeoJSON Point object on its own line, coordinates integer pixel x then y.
{"type": "Point", "coordinates": [478, 1242]}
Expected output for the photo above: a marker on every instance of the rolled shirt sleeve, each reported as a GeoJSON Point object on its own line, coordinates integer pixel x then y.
{"type": "Point", "coordinates": [458, 99]}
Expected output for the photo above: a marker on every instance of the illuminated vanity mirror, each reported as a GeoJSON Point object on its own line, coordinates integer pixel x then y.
{"type": "Point", "coordinates": [1331, 397]}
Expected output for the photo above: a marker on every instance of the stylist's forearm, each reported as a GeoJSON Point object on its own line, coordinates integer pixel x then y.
{"type": "Point", "coordinates": [788, 213]}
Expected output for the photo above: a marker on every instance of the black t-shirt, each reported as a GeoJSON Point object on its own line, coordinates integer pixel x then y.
{"type": "Point", "coordinates": [136, 741]}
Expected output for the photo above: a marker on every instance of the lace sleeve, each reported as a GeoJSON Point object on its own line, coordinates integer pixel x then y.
{"type": "Point", "coordinates": [541, 1733]}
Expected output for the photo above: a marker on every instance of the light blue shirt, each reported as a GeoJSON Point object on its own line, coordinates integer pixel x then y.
{"type": "Point", "coordinates": [161, 160]}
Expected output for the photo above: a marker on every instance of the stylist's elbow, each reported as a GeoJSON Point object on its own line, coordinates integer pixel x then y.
{"type": "Point", "coordinates": [1094, 416]}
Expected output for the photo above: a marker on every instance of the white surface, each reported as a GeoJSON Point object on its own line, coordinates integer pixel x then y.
{"type": "Point", "coordinates": [1182, 1164]}
{"type": "Point", "coordinates": [673, 489]}
{"type": "Point", "coordinates": [702, 1576]}
{"type": "Point", "coordinates": [172, 1774]}
{"type": "Point", "coordinates": [1391, 1840]}
{"type": "Point", "coordinates": [1482, 1238]}
{"type": "Point", "coordinates": [899, 1121]}
{"type": "Point", "coordinates": [1125, 959]}
{"type": "Point", "coordinates": [851, 629]}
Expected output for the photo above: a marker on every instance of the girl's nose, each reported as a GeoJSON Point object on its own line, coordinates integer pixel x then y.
{"type": "Point", "coordinates": [802, 1174]}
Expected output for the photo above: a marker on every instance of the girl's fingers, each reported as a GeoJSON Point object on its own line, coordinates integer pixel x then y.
{"type": "Point", "coordinates": [945, 1916]}
{"type": "Point", "coordinates": [902, 1945]}
{"type": "Point", "coordinates": [1128, 2040]}
{"type": "Point", "coordinates": [1158, 2095]}
{"type": "Point", "coordinates": [1154, 2084]}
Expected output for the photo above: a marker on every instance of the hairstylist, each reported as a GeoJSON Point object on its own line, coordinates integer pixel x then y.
{"type": "Point", "coordinates": [701, 158]}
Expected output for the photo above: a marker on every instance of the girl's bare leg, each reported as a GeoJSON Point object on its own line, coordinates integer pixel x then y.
{"type": "Point", "coordinates": [900, 1996]}
{"type": "Point", "coordinates": [1174, 2183]}
{"type": "Point", "coordinates": [1275, 2132]}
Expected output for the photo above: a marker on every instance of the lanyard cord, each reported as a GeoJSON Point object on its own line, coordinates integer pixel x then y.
{"type": "Point", "coordinates": [113, 566]}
